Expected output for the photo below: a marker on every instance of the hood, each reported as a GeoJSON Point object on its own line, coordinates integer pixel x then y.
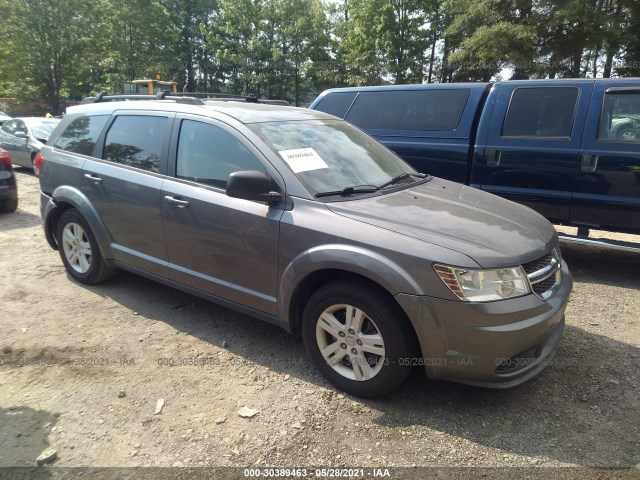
{"type": "Point", "coordinates": [491, 230]}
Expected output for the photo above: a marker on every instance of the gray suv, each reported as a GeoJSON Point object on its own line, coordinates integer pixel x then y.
{"type": "Point", "coordinates": [300, 219]}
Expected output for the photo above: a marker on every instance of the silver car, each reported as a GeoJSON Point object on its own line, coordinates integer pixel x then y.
{"type": "Point", "coordinates": [24, 137]}
{"type": "Point", "coordinates": [300, 219]}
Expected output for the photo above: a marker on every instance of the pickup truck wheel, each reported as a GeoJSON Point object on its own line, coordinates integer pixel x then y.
{"type": "Point", "coordinates": [358, 339]}
{"type": "Point", "coordinates": [79, 250]}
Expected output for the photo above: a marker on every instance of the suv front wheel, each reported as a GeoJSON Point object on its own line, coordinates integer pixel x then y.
{"type": "Point", "coordinates": [358, 339]}
{"type": "Point", "coordinates": [79, 250]}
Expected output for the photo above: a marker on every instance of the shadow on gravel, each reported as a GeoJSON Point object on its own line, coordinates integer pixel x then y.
{"type": "Point", "coordinates": [602, 265]}
{"type": "Point", "coordinates": [18, 219]}
{"type": "Point", "coordinates": [24, 436]}
{"type": "Point", "coordinates": [584, 409]}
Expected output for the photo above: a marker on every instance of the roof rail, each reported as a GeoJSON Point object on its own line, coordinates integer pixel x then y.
{"type": "Point", "coordinates": [232, 97]}
{"type": "Point", "coordinates": [106, 97]}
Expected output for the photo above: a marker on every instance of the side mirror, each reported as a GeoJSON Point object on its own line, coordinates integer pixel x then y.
{"type": "Point", "coordinates": [21, 134]}
{"type": "Point", "coordinates": [252, 185]}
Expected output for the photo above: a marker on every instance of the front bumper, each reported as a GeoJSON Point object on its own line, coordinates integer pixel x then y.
{"type": "Point", "coordinates": [496, 344]}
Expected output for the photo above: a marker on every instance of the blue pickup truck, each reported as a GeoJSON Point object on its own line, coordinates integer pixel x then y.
{"type": "Point", "coordinates": [568, 148]}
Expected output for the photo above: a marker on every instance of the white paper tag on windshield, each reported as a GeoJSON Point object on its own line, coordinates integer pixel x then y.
{"type": "Point", "coordinates": [303, 159]}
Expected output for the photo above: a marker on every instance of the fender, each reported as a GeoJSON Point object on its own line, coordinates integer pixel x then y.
{"type": "Point", "coordinates": [80, 202]}
{"type": "Point", "coordinates": [350, 258]}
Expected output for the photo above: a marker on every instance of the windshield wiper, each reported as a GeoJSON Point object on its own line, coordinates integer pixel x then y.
{"type": "Point", "coordinates": [350, 190]}
{"type": "Point", "coordinates": [402, 176]}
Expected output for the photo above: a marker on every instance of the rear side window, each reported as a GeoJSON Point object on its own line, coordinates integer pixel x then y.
{"type": "Point", "coordinates": [336, 103]}
{"type": "Point", "coordinates": [136, 141]}
{"type": "Point", "coordinates": [541, 112]}
{"type": "Point", "coordinates": [81, 135]}
{"type": "Point", "coordinates": [436, 110]}
{"type": "Point", "coordinates": [620, 118]}
{"type": "Point", "coordinates": [209, 154]}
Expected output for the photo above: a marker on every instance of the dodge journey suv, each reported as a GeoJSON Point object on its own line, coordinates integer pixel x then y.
{"type": "Point", "coordinates": [300, 219]}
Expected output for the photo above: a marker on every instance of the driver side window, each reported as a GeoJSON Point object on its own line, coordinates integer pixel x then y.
{"type": "Point", "coordinates": [209, 154]}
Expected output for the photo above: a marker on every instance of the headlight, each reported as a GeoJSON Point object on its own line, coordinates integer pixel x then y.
{"type": "Point", "coordinates": [473, 285]}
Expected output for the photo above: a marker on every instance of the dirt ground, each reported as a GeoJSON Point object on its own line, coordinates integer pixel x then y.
{"type": "Point", "coordinates": [82, 370]}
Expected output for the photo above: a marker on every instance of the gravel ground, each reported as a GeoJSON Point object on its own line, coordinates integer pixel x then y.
{"type": "Point", "coordinates": [84, 369]}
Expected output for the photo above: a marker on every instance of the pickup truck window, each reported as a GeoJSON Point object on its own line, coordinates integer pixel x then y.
{"type": "Point", "coordinates": [81, 135]}
{"type": "Point", "coordinates": [541, 112]}
{"type": "Point", "coordinates": [620, 118]}
{"type": "Point", "coordinates": [136, 141]}
{"type": "Point", "coordinates": [435, 110]}
{"type": "Point", "coordinates": [336, 103]}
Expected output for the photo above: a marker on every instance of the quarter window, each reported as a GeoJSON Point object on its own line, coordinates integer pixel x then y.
{"type": "Point", "coordinates": [136, 141]}
{"type": "Point", "coordinates": [620, 118]}
{"type": "Point", "coordinates": [545, 112]}
{"type": "Point", "coordinates": [435, 110]}
{"type": "Point", "coordinates": [81, 134]}
{"type": "Point", "coordinates": [336, 103]}
{"type": "Point", "coordinates": [209, 154]}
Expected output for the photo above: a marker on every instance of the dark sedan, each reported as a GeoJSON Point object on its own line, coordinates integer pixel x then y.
{"type": "Point", "coordinates": [24, 137]}
{"type": "Point", "coordinates": [8, 186]}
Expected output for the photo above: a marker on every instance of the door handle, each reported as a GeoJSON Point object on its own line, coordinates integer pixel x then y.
{"type": "Point", "coordinates": [92, 177]}
{"type": "Point", "coordinates": [176, 201]}
{"type": "Point", "coordinates": [493, 158]}
{"type": "Point", "coordinates": [589, 163]}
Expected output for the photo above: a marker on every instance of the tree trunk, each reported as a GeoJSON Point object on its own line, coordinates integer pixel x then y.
{"type": "Point", "coordinates": [445, 61]}
{"type": "Point", "coordinates": [433, 54]}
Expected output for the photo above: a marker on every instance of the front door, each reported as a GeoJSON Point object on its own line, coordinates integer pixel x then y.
{"type": "Point", "coordinates": [608, 185]}
{"type": "Point", "coordinates": [224, 246]}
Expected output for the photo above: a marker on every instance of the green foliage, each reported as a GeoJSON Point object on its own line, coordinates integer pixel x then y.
{"type": "Point", "coordinates": [60, 50]}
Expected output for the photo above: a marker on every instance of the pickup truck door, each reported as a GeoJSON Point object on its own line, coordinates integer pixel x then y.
{"type": "Point", "coordinates": [607, 193]}
{"type": "Point", "coordinates": [532, 144]}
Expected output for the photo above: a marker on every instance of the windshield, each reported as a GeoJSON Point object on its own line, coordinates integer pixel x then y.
{"type": "Point", "coordinates": [332, 155]}
{"type": "Point", "coordinates": [43, 129]}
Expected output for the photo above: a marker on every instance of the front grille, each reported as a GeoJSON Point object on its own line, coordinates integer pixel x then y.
{"type": "Point", "coordinates": [518, 362]}
{"type": "Point", "coordinates": [538, 264]}
{"type": "Point", "coordinates": [544, 274]}
{"type": "Point", "coordinates": [544, 286]}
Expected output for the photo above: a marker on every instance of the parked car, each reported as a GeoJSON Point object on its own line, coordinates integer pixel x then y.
{"type": "Point", "coordinates": [8, 184]}
{"type": "Point", "coordinates": [300, 219]}
{"type": "Point", "coordinates": [568, 148]}
{"type": "Point", "coordinates": [24, 137]}
{"type": "Point", "coordinates": [4, 117]}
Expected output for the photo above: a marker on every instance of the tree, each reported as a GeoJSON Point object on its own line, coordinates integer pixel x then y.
{"type": "Point", "coordinates": [51, 42]}
{"type": "Point", "coordinates": [136, 42]}
{"type": "Point", "coordinates": [386, 37]}
{"type": "Point", "coordinates": [630, 39]}
{"type": "Point", "coordinates": [486, 36]}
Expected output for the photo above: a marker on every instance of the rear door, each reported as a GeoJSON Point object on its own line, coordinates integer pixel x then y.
{"type": "Point", "coordinates": [124, 185]}
{"type": "Point", "coordinates": [608, 184]}
{"type": "Point", "coordinates": [224, 246]}
{"type": "Point", "coordinates": [531, 153]}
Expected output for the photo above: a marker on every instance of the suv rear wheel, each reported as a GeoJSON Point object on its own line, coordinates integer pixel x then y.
{"type": "Point", "coordinates": [79, 250]}
{"type": "Point", "coordinates": [358, 339]}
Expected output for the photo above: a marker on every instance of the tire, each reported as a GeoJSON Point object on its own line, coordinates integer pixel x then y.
{"type": "Point", "coordinates": [34, 167]}
{"type": "Point", "coordinates": [627, 134]}
{"type": "Point", "coordinates": [9, 206]}
{"type": "Point", "coordinates": [372, 368]}
{"type": "Point", "coordinates": [79, 250]}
